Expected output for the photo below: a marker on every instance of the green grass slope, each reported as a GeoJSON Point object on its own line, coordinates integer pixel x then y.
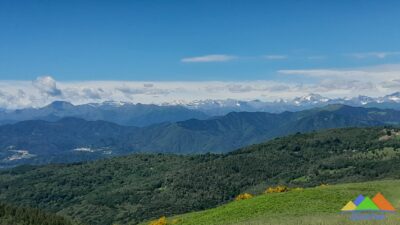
{"type": "Point", "coordinates": [319, 205]}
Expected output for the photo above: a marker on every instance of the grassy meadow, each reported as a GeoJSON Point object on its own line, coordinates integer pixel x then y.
{"type": "Point", "coordinates": [319, 205]}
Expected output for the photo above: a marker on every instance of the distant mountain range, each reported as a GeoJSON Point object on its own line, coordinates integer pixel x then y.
{"type": "Point", "coordinates": [221, 107]}
{"type": "Point", "coordinates": [120, 113]}
{"type": "Point", "coordinates": [140, 115]}
{"type": "Point", "coordinates": [72, 139]}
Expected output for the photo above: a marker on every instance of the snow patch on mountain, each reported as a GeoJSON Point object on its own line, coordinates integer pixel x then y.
{"type": "Point", "coordinates": [219, 107]}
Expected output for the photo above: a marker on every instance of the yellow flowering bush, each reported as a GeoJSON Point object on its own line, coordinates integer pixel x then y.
{"type": "Point", "coordinates": [243, 196]}
{"type": "Point", "coordinates": [161, 221]}
{"type": "Point", "coordinates": [277, 189]}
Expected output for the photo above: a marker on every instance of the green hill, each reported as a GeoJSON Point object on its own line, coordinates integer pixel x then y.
{"type": "Point", "coordinates": [320, 205]}
{"type": "Point", "coordinates": [128, 190]}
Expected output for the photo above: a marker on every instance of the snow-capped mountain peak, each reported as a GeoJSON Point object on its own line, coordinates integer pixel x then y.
{"type": "Point", "coordinates": [362, 99]}
{"type": "Point", "coordinates": [395, 97]}
{"type": "Point", "coordinates": [220, 107]}
{"type": "Point", "coordinates": [310, 99]}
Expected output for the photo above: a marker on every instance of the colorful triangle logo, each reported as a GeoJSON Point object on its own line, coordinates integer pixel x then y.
{"type": "Point", "coordinates": [361, 203]}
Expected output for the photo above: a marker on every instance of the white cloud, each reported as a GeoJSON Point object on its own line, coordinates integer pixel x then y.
{"type": "Point", "coordinates": [19, 98]}
{"type": "Point", "coordinates": [321, 73]}
{"type": "Point", "coordinates": [392, 84]}
{"type": "Point", "coordinates": [372, 81]}
{"type": "Point", "coordinates": [376, 73]}
{"type": "Point", "coordinates": [209, 58]}
{"type": "Point", "coordinates": [126, 90]}
{"type": "Point", "coordinates": [240, 88]}
{"type": "Point", "coordinates": [275, 57]}
{"type": "Point", "coordinates": [379, 55]}
{"type": "Point", "coordinates": [47, 85]}
{"type": "Point", "coordinates": [158, 92]}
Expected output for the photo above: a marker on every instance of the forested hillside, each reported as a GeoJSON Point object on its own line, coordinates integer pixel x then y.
{"type": "Point", "coordinates": [11, 215]}
{"type": "Point", "coordinates": [127, 190]}
{"type": "Point", "coordinates": [72, 139]}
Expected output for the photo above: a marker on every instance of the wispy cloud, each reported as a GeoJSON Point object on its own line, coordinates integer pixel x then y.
{"type": "Point", "coordinates": [375, 73]}
{"type": "Point", "coordinates": [373, 81]}
{"type": "Point", "coordinates": [209, 58]}
{"type": "Point", "coordinates": [275, 57]}
{"type": "Point", "coordinates": [225, 58]}
{"type": "Point", "coordinates": [324, 73]}
{"type": "Point", "coordinates": [379, 55]}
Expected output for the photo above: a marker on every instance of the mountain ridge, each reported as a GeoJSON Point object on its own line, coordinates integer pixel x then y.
{"type": "Point", "coordinates": [123, 114]}
{"type": "Point", "coordinates": [220, 107]}
{"type": "Point", "coordinates": [138, 114]}
{"type": "Point", "coordinates": [71, 139]}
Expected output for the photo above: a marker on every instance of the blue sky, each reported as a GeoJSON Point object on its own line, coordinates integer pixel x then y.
{"type": "Point", "coordinates": [157, 51]}
{"type": "Point", "coordinates": [152, 40]}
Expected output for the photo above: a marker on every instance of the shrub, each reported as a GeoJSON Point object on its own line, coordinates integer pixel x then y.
{"type": "Point", "coordinates": [277, 189]}
{"type": "Point", "coordinates": [243, 196]}
{"type": "Point", "coordinates": [161, 221]}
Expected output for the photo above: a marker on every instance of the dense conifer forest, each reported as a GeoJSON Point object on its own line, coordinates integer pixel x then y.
{"type": "Point", "coordinates": [11, 215]}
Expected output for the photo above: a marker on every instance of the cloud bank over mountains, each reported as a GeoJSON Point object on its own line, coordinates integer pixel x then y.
{"type": "Point", "coordinates": [333, 83]}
